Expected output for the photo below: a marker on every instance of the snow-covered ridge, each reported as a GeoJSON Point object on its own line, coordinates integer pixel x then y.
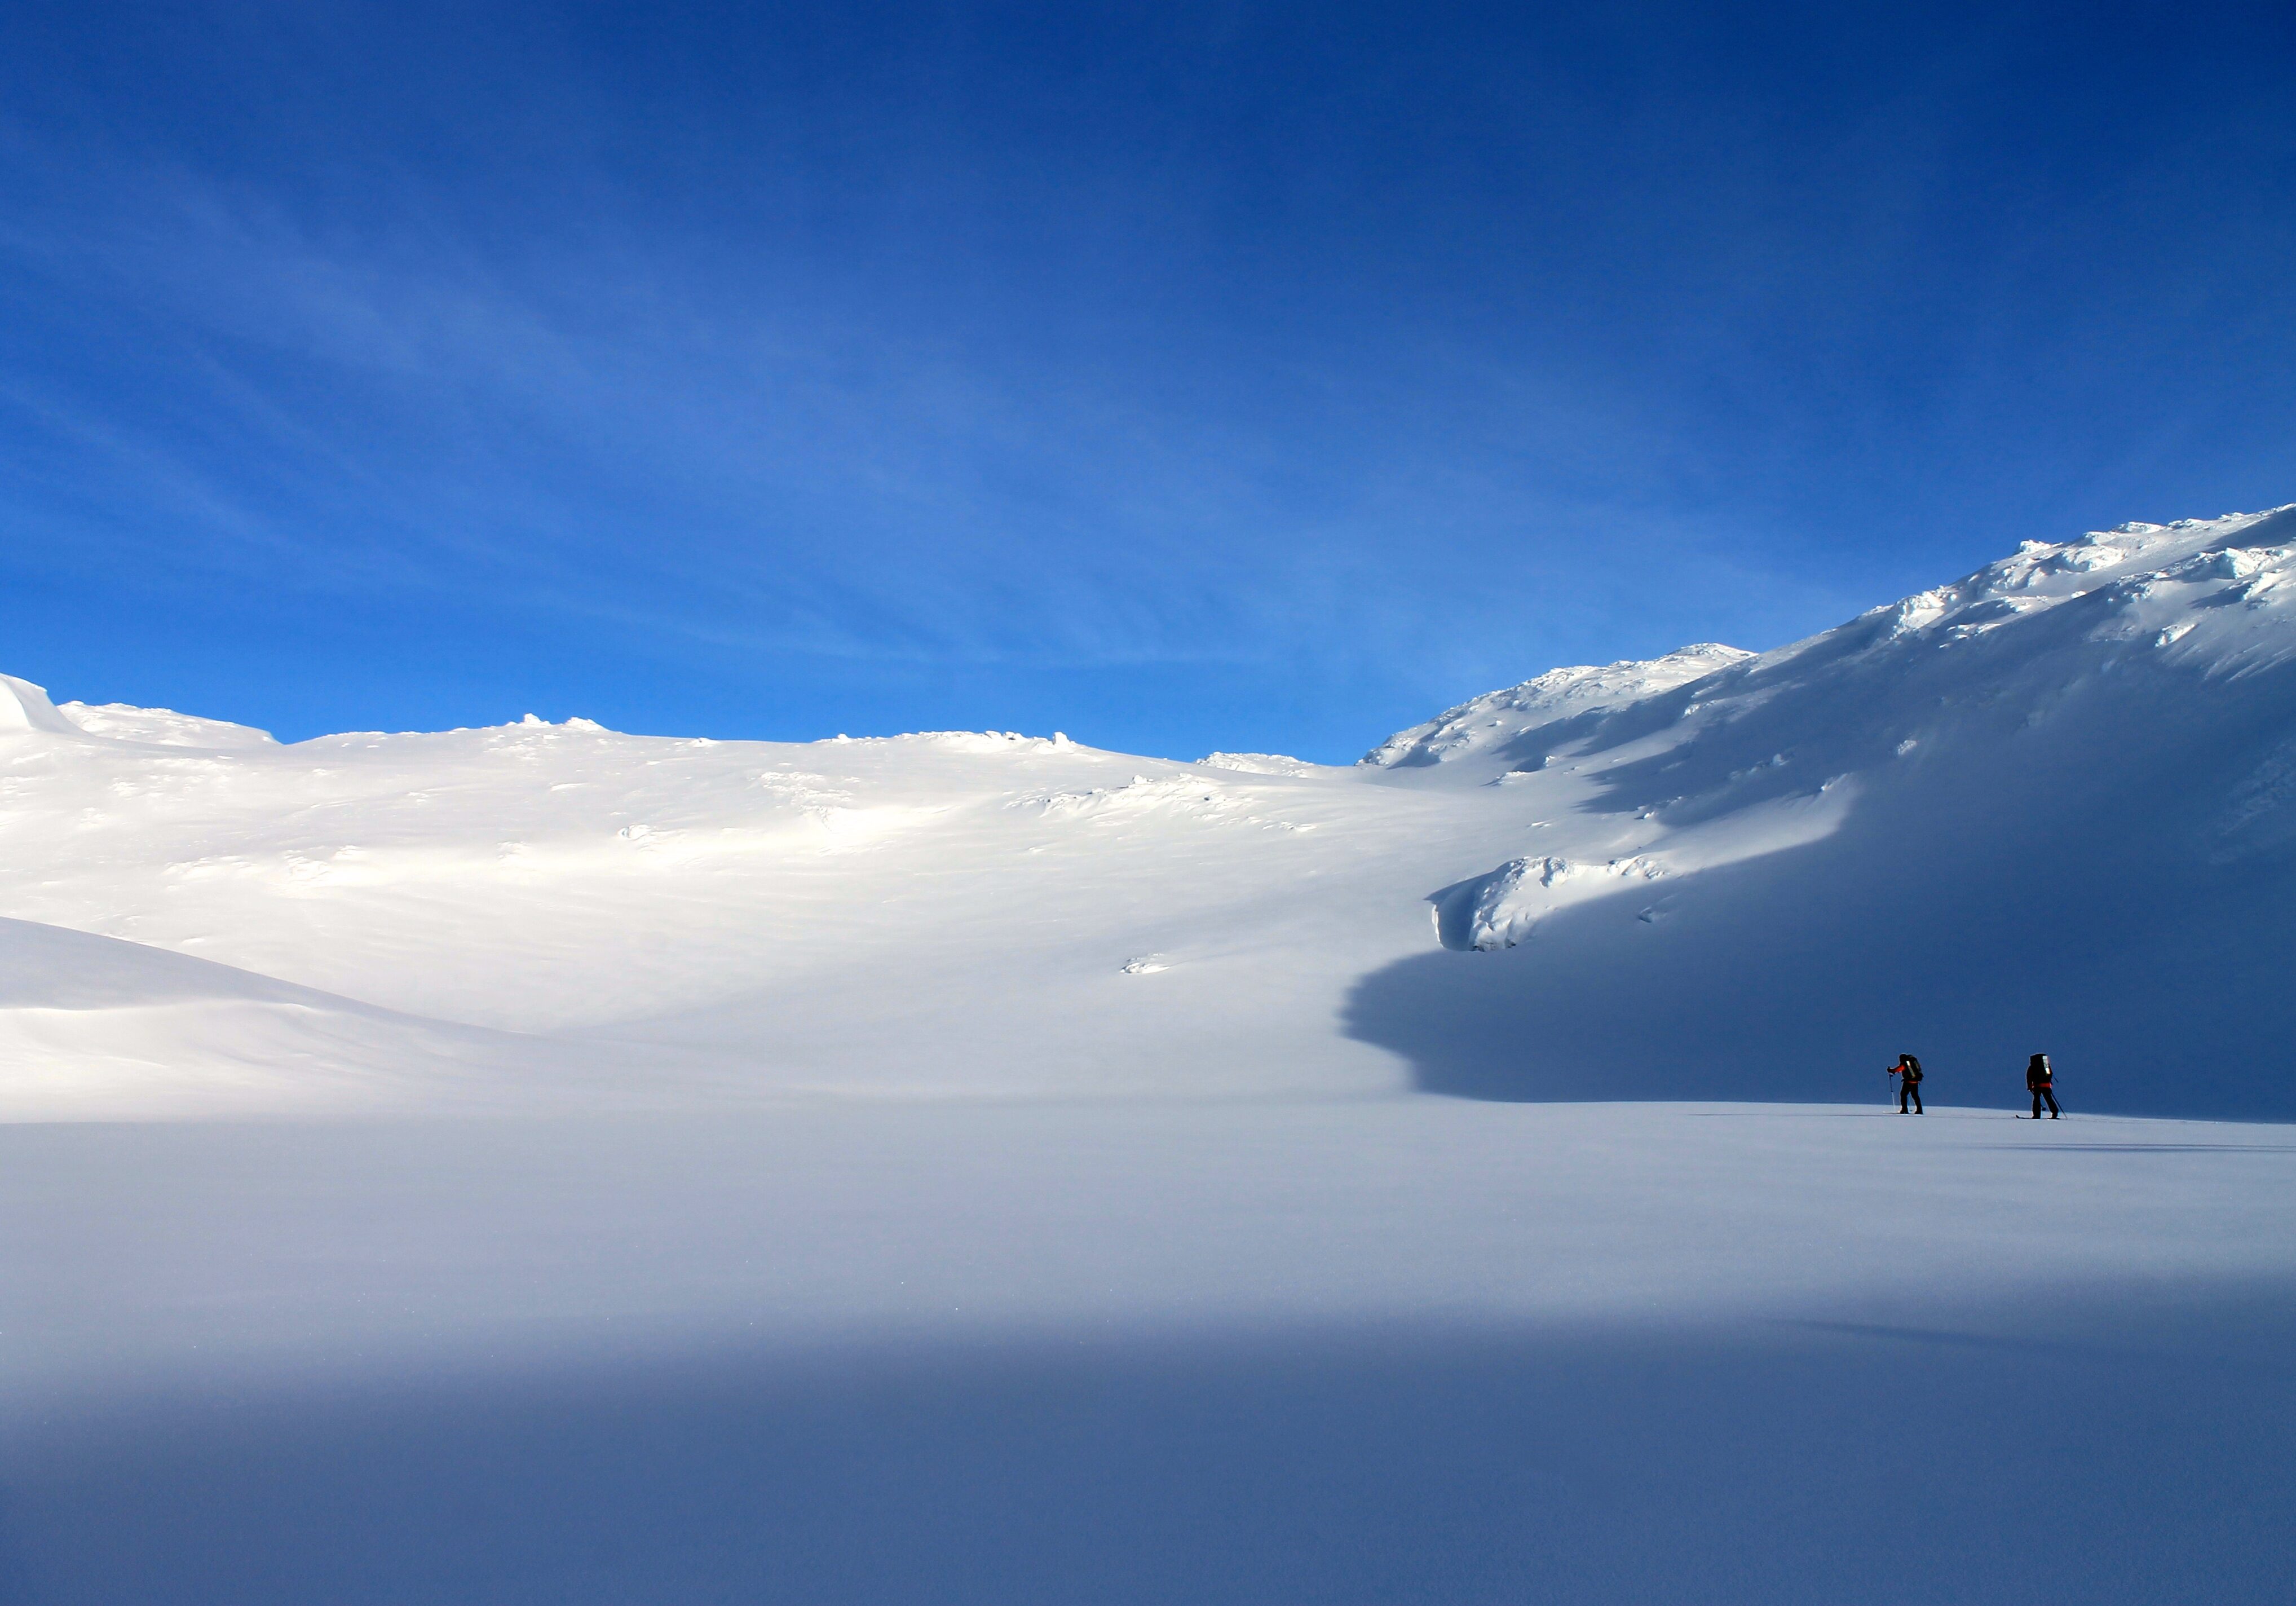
{"type": "Point", "coordinates": [1483, 722]}
{"type": "Point", "coordinates": [161, 727]}
{"type": "Point", "coordinates": [966, 741]}
{"type": "Point", "coordinates": [2152, 582]}
{"type": "Point", "coordinates": [1260, 764]}
{"type": "Point", "coordinates": [2117, 570]}
{"type": "Point", "coordinates": [1929, 691]}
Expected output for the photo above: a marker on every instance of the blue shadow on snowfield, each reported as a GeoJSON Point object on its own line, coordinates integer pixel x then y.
{"type": "Point", "coordinates": [2112, 884]}
{"type": "Point", "coordinates": [2106, 1450]}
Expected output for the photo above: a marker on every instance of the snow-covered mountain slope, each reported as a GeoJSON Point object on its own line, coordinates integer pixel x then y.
{"type": "Point", "coordinates": [1491, 721]}
{"type": "Point", "coordinates": [2047, 807]}
{"type": "Point", "coordinates": [161, 727]}
{"type": "Point", "coordinates": [2058, 799]}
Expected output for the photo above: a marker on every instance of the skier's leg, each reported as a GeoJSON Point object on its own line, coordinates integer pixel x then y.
{"type": "Point", "coordinates": [2050, 1094]}
{"type": "Point", "coordinates": [1917, 1102]}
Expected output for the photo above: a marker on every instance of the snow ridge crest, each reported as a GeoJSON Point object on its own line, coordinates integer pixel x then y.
{"type": "Point", "coordinates": [2157, 583]}
{"type": "Point", "coordinates": [1484, 722]}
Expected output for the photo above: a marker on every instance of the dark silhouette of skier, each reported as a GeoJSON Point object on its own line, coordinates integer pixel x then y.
{"type": "Point", "coordinates": [2038, 1080]}
{"type": "Point", "coordinates": [1909, 1068]}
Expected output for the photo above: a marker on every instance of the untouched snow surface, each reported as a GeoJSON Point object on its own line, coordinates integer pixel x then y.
{"type": "Point", "coordinates": [1100, 1350]}
{"type": "Point", "coordinates": [539, 1162]}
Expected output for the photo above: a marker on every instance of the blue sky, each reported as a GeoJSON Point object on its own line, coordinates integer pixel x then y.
{"type": "Point", "coordinates": [1183, 377]}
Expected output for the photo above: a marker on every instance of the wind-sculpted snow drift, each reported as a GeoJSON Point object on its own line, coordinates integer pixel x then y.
{"type": "Point", "coordinates": [2047, 806]}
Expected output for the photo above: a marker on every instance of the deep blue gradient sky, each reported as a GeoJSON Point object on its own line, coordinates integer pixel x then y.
{"type": "Point", "coordinates": [1183, 376]}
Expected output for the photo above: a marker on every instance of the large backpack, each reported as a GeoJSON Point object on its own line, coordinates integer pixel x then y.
{"type": "Point", "coordinates": [1912, 1069]}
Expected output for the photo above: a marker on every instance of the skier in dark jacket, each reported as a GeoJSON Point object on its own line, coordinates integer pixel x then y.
{"type": "Point", "coordinates": [2038, 1078]}
{"type": "Point", "coordinates": [1910, 1087]}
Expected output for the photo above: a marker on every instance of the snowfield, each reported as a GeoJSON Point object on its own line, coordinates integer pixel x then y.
{"type": "Point", "coordinates": [2048, 805]}
{"type": "Point", "coordinates": [544, 1163]}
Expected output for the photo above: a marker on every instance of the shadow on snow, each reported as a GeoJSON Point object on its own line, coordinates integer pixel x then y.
{"type": "Point", "coordinates": [2002, 1454]}
{"type": "Point", "coordinates": [1989, 906]}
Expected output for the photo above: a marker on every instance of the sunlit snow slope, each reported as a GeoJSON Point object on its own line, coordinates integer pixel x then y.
{"type": "Point", "coordinates": [2046, 807]}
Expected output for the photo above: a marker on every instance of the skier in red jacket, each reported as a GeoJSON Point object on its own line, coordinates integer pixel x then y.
{"type": "Point", "coordinates": [1910, 1070]}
